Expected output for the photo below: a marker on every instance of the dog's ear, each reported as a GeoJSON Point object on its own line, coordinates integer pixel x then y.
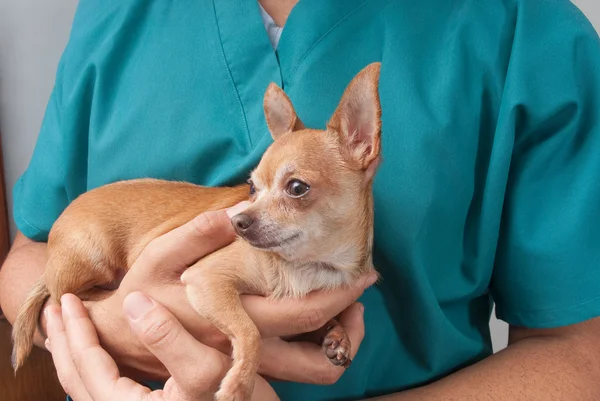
{"type": "Point", "coordinates": [279, 112]}
{"type": "Point", "coordinates": [357, 119]}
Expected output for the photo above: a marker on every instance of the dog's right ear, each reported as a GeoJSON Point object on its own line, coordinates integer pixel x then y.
{"type": "Point", "coordinates": [279, 112]}
{"type": "Point", "coordinates": [357, 119]}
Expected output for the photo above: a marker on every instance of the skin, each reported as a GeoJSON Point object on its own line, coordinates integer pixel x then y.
{"type": "Point", "coordinates": [279, 10]}
{"type": "Point", "coordinates": [159, 275]}
{"type": "Point", "coordinates": [544, 365]}
{"type": "Point", "coordinates": [538, 364]}
{"type": "Point", "coordinates": [75, 348]}
{"type": "Point", "coordinates": [87, 372]}
{"type": "Point", "coordinates": [550, 364]}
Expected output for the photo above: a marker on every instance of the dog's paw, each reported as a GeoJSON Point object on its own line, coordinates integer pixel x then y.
{"type": "Point", "coordinates": [336, 346]}
{"type": "Point", "coordinates": [232, 390]}
{"type": "Point", "coordinates": [232, 395]}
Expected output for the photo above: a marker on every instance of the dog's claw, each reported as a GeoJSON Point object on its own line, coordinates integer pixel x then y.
{"type": "Point", "coordinates": [336, 347]}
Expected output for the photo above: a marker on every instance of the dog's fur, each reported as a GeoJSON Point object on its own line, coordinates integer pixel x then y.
{"type": "Point", "coordinates": [293, 238]}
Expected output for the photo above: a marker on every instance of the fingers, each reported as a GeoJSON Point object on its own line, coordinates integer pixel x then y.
{"type": "Point", "coordinates": [292, 316]}
{"type": "Point", "coordinates": [88, 373]}
{"type": "Point", "coordinates": [352, 319]}
{"type": "Point", "coordinates": [188, 243]}
{"type": "Point", "coordinates": [305, 362]}
{"type": "Point", "coordinates": [98, 371]}
{"type": "Point", "coordinates": [85, 370]}
{"type": "Point", "coordinates": [58, 345]}
{"type": "Point", "coordinates": [196, 368]}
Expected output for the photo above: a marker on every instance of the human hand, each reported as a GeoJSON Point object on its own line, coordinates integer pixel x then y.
{"type": "Point", "coordinates": [87, 372]}
{"type": "Point", "coordinates": [157, 273]}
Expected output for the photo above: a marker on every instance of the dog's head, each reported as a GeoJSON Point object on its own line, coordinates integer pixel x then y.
{"type": "Point", "coordinates": [310, 195]}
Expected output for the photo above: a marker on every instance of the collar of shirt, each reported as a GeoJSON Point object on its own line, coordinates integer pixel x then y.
{"type": "Point", "coordinates": [272, 28]}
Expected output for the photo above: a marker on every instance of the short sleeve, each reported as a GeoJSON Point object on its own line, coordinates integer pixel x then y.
{"type": "Point", "coordinates": [57, 171]}
{"type": "Point", "coordinates": [39, 194]}
{"type": "Point", "coordinates": [547, 270]}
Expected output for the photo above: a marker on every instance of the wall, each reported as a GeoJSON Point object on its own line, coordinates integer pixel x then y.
{"type": "Point", "coordinates": [33, 34]}
{"type": "Point", "coordinates": [591, 8]}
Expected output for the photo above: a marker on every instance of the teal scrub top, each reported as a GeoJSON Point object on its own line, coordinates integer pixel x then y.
{"type": "Point", "coordinates": [489, 191]}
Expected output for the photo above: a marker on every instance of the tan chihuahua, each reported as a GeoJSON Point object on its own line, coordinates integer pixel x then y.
{"type": "Point", "coordinates": [309, 227]}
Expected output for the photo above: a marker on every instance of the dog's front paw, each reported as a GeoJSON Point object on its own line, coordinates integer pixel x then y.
{"type": "Point", "coordinates": [336, 346]}
{"type": "Point", "coordinates": [236, 393]}
{"type": "Point", "coordinates": [235, 387]}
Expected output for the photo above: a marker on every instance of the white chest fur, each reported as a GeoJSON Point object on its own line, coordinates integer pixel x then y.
{"type": "Point", "coordinates": [297, 280]}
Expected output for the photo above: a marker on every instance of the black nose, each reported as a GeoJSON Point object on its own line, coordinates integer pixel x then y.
{"type": "Point", "coordinates": [241, 222]}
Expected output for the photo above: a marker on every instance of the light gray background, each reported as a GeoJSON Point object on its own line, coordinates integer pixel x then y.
{"type": "Point", "coordinates": [33, 34]}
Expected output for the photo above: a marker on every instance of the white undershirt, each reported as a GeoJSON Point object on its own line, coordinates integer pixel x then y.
{"type": "Point", "coordinates": [273, 30]}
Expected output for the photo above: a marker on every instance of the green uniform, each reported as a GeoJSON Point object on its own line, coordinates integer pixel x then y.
{"type": "Point", "coordinates": [489, 189]}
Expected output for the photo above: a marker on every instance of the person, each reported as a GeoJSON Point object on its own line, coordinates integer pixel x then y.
{"type": "Point", "coordinates": [487, 194]}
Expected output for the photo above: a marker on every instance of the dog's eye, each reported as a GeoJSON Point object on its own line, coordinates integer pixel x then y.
{"type": "Point", "coordinates": [296, 188]}
{"type": "Point", "coordinates": [252, 190]}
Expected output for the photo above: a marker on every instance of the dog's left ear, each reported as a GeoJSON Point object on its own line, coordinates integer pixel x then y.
{"type": "Point", "coordinates": [279, 112]}
{"type": "Point", "coordinates": [357, 120]}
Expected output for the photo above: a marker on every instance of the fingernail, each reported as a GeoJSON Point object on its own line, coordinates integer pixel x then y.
{"type": "Point", "coordinates": [47, 344]}
{"type": "Point", "coordinates": [69, 306]}
{"type": "Point", "coordinates": [370, 280]}
{"type": "Point", "coordinates": [137, 305]}
{"type": "Point", "coordinates": [237, 209]}
{"type": "Point", "coordinates": [361, 308]}
{"type": "Point", "coordinates": [48, 316]}
{"type": "Point", "coordinates": [53, 319]}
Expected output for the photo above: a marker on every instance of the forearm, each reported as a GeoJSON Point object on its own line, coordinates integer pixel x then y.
{"type": "Point", "coordinates": [23, 266]}
{"type": "Point", "coordinates": [543, 368]}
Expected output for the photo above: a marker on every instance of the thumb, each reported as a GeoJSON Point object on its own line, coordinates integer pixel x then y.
{"type": "Point", "coordinates": [192, 241]}
{"type": "Point", "coordinates": [352, 319]}
{"type": "Point", "coordinates": [196, 368]}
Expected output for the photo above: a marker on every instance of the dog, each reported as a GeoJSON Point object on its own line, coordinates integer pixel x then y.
{"type": "Point", "coordinates": [309, 226]}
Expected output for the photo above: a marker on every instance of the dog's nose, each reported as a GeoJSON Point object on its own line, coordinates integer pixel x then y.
{"type": "Point", "coordinates": [241, 222]}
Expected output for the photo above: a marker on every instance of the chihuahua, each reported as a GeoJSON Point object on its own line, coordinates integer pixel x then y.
{"type": "Point", "coordinates": [309, 226]}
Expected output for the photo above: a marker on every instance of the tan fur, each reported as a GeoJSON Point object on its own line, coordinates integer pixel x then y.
{"type": "Point", "coordinates": [279, 112]}
{"type": "Point", "coordinates": [294, 245]}
{"type": "Point", "coordinates": [27, 321]}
